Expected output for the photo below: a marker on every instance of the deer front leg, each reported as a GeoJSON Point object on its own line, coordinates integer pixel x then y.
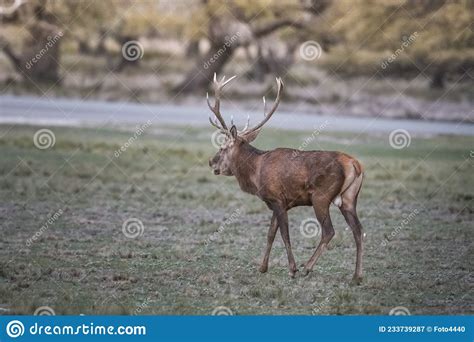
{"type": "Point", "coordinates": [270, 238]}
{"type": "Point", "coordinates": [282, 218]}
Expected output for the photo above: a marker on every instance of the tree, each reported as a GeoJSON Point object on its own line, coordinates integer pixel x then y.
{"type": "Point", "coordinates": [235, 24]}
{"type": "Point", "coordinates": [407, 36]}
{"type": "Point", "coordinates": [39, 59]}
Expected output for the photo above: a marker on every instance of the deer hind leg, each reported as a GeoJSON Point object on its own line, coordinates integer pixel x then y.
{"type": "Point", "coordinates": [321, 209]}
{"type": "Point", "coordinates": [270, 238]}
{"type": "Point", "coordinates": [282, 218]}
{"type": "Point", "coordinates": [348, 210]}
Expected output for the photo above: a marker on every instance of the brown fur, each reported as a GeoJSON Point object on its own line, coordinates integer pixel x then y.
{"type": "Point", "coordinates": [285, 178]}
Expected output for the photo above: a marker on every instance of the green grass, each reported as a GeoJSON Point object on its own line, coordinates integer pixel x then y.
{"type": "Point", "coordinates": [83, 263]}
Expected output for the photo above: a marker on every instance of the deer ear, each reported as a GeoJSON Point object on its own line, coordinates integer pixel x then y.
{"type": "Point", "coordinates": [251, 136]}
{"type": "Point", "coordinates": [233, 132]}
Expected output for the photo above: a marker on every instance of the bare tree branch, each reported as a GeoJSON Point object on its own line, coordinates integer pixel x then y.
{"type": "Point", "coordinates": [273, 26]}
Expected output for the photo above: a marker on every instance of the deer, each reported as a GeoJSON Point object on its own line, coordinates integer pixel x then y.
{"type": "Point", "coordinates": [285, 178]}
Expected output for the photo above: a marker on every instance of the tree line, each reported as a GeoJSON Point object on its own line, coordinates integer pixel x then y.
{"type": "Point", "coordinates": [358, 36]}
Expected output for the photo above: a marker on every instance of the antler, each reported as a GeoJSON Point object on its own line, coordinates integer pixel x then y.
{"type": "Point", "coordinates": [246, 124]}
{"type": "Point", "coordinates": [218, 85]}
{"type": "Point", "coordinates": [268, 115]}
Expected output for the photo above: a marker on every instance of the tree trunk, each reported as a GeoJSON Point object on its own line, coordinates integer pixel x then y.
{"type": "Point", "coordinates": [268, 62]}
{"type": "Point", "coordinates": [437, 80]}
{"type": "Point", "coordinates": [192, 49]}
{"type": "Point", "coordinates": [10, 54]}
{"type": "Point", "coordinates": [100, 49]}
{"type": "Point", "coordinates": [45, 44]}
{"type": "Point", "coordinates": [200, 77]}
{"type": "Point", "coordinates": [84, 48]}
{"type": "Point", "coordinates": [39, 61]}
{"type": "Point", "coordinates": [128, 58]}
{"type": "Point", "coordinates": [259, 68]}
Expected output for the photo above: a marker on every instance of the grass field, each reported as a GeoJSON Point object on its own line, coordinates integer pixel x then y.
{"type": "Point", "coordinates": [62, 210]}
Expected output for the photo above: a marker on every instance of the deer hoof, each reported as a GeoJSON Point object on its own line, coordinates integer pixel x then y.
{"type": "Point", "coordinates": [356, 280]}
{"type": "Point", "coordinates": [306, 271]}
{"type": "Point", "coordinates": [292, 273]}
{"type": "Point", "coordinates": [263, 269]}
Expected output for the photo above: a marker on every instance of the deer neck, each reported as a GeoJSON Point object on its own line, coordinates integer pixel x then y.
{"type": "Point", "coordinates": [246, 168]}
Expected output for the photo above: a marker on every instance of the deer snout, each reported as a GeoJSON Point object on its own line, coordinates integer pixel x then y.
{"type": "Point", "coordinates": [212, 164]}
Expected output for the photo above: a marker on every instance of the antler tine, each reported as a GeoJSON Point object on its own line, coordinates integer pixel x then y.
{"type": "Point", "coordinates": [218, 85]}
{"type": "Point", "coordinates": [230, 79]}
{"type": "Point", "coordinates": [268, 115]}
{"type": "Point", "coordinates": [246, 125]}
{"type": "Point", "coordinates": [216, 125]}
{"type": "Point", "coordinates": [213, 123]}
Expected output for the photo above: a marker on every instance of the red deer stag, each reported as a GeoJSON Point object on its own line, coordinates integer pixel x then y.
{"type": "Point", "coordinates": [285, 178]}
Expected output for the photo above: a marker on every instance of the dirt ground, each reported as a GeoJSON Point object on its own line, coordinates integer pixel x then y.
{"type": "Point", "coordinates": [193, 241]}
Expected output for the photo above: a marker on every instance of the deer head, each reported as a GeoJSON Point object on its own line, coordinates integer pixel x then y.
{"type": "Point", "coordinates": [224, 160]}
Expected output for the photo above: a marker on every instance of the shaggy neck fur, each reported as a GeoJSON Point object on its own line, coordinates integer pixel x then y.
{"type": "Point", "coordinates": [247, 166]}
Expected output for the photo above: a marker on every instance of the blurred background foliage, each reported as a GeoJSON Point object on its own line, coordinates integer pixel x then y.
{"type": "Point", "coordinates": [179, 38]}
